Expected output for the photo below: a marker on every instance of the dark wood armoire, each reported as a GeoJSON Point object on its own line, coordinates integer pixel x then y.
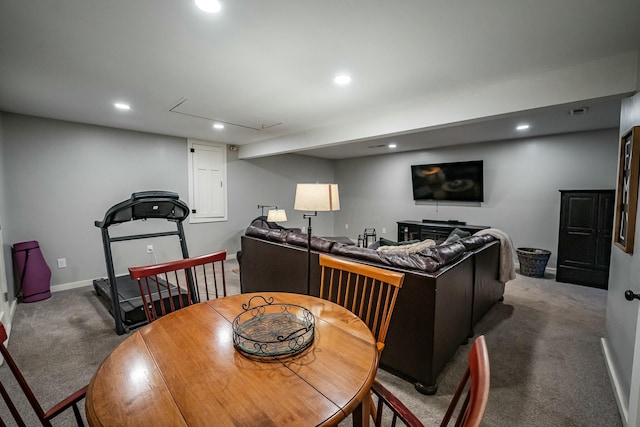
{"type": "Point", "coordinates": [584, 242]}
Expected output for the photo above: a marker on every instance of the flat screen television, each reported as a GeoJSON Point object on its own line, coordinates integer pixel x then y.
{"type": "Point", "coordinates": [458, 181]}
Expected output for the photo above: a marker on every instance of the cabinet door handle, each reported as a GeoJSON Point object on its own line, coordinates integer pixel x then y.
{"type": "Point", "coordinates": [630, 296]}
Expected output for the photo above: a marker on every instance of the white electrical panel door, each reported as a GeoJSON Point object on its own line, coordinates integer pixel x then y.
{"type": "Point", "coordinates": [207, 181]}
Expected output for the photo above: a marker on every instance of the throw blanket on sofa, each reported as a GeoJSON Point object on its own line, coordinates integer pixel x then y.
{"type": "Point", "coordinates": [507, 269]}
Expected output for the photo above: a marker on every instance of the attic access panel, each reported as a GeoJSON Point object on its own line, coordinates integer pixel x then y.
{"type": "Point", "coordinates": [203, 110]}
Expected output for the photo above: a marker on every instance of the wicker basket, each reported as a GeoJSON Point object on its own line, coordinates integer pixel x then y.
{"type": "Point", "coordinates": [533, 261]}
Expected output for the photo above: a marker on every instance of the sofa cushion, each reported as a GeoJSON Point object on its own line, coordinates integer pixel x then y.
{"type": "Point", "coordinates": [274, 235]}
{"type": "Point", "coordinates": [460, 233]}
{"type": "Point", "coordinates": [474, 242]}
{"type": "Point", "coordinates": [411, 248]}
{"type": "Point", "coordinates": [319, 244]}
{"type": "Point", "coordinates": [410, 261]}
{"type": "Point", "coordinates": [356, 252]}
{"type": "Point", "coordinates": [298, 239]}
{"type": "Point", "coordinates": [387, 242]}
{"type": "Point", "coordinates": [452, 238]}
{"type": "Point", "coordinates": [444, 254]}
{"type": "Point", "coordinates": [375, 245]}
{"type": "Point", "coordinates": [322, 245]}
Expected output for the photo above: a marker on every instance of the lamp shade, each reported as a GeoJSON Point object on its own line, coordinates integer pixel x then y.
{"type": "Point", "coordinates": [317, 197]}
{"type": "Point", "coordinates": [276, 215]}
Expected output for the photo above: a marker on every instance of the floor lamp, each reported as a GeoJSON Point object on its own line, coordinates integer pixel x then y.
{"type": "Point", "coordinates": [315, 197]}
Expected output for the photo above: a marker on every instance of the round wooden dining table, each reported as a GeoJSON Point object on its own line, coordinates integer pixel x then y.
{"type": "Point", "coordinates": [183, 370]}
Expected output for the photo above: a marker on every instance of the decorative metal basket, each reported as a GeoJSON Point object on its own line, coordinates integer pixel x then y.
{"type": "Point", "coordinates": [272, 329]}
{"type": "Point", "coordinates": [533, 261]}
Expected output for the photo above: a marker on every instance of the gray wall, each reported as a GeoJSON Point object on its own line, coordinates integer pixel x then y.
{"type": "Point", "coordinates": [625, 270]}
{"type": "Point", "coordinates": [522, 179]}
{"type": "Point", "coordinates": [63, 176]}
{"type": "Point", "coordinates": [60, 177]}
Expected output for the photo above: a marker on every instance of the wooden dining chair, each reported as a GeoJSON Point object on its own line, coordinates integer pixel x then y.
{"type": "Point", "coordinates": [45, 417]}
{"type": "Point", "coordinates": [172, 285]}
{"type": "Point", "coordinates": [475, 383]}
{"type": "Point", "coordinates": [397, 411]}
{"type": "Point", "coordinates": [368, 292]}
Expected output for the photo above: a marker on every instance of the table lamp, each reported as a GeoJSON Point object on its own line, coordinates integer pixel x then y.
{"type": "Point", "coordinates": [315, 197]}
{"type": "Point", "coordinates": [276, 215]}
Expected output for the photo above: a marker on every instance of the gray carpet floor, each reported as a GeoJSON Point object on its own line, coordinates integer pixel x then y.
{"type": "Point", "coordinates": [547, 367]}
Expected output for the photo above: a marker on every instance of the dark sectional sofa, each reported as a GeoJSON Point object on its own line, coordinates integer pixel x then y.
{"type": "Point", "coordinates": [448, 288]}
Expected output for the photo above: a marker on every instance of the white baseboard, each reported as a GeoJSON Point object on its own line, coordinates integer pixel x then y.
{"type": "Point", "coordinates": [73, 285]}
{"type": "Point", "coordinates": [89, 282]}
{"type": "Point", "coordinates": [12, 308]}
{"type": "Point", "coordinates": [615, 383]}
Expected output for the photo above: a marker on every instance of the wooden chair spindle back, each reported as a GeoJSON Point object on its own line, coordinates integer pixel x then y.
{"type": "Point", "coordinates": [173, 285]}
{"type": "Point", "coordinates": [368, 292]}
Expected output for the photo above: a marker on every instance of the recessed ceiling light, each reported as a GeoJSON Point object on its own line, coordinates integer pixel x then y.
{"type": "Point", "coordinates": [218, 126]}
{"type": "Point", "coordinates": [523, 127]}
{"type": "Point", "coordinates": [122, 106]}
{"type": "Point", "coordinates": [209, 6]}
{"type": "Point", "coordinates": [342, 79]}
{"type": "Point", "coordinates": [392, 145]}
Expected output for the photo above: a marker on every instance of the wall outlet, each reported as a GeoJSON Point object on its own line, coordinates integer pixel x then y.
{"type": "Point", "coordinates": [384, 230]}
{"type": "Point", "coordinates": [149, 249]}
{"type": "Point", "coordinates": [62, 262]}
{"type": "Point", "coordinates": [346, 226]}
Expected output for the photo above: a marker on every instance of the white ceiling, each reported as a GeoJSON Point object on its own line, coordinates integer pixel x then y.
{"type": "Point", "coordinates": [265, 67]}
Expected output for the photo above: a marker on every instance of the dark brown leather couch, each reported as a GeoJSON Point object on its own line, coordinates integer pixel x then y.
{"type": "Point", "coordinates": [447, 290]}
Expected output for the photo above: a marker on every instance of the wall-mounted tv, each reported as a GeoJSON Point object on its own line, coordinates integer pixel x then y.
{"type": "Point", "coordinates": [458, 181]}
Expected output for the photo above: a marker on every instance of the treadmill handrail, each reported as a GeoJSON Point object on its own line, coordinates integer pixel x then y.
{"type": "Point", "coordinates": [144, 236]}
{"type": "Point", "coordinates": [144, 205]}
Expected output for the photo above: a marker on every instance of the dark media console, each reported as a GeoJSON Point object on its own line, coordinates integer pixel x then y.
{"type": "Point", "coordinates": [432, 229]}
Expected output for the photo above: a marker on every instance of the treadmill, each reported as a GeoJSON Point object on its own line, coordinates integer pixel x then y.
{"type": "Point", "coordinates": [121, 293]}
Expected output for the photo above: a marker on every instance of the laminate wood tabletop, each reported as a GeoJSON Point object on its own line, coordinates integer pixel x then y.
{"type": "Point", "coordinates": [183, 370]}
